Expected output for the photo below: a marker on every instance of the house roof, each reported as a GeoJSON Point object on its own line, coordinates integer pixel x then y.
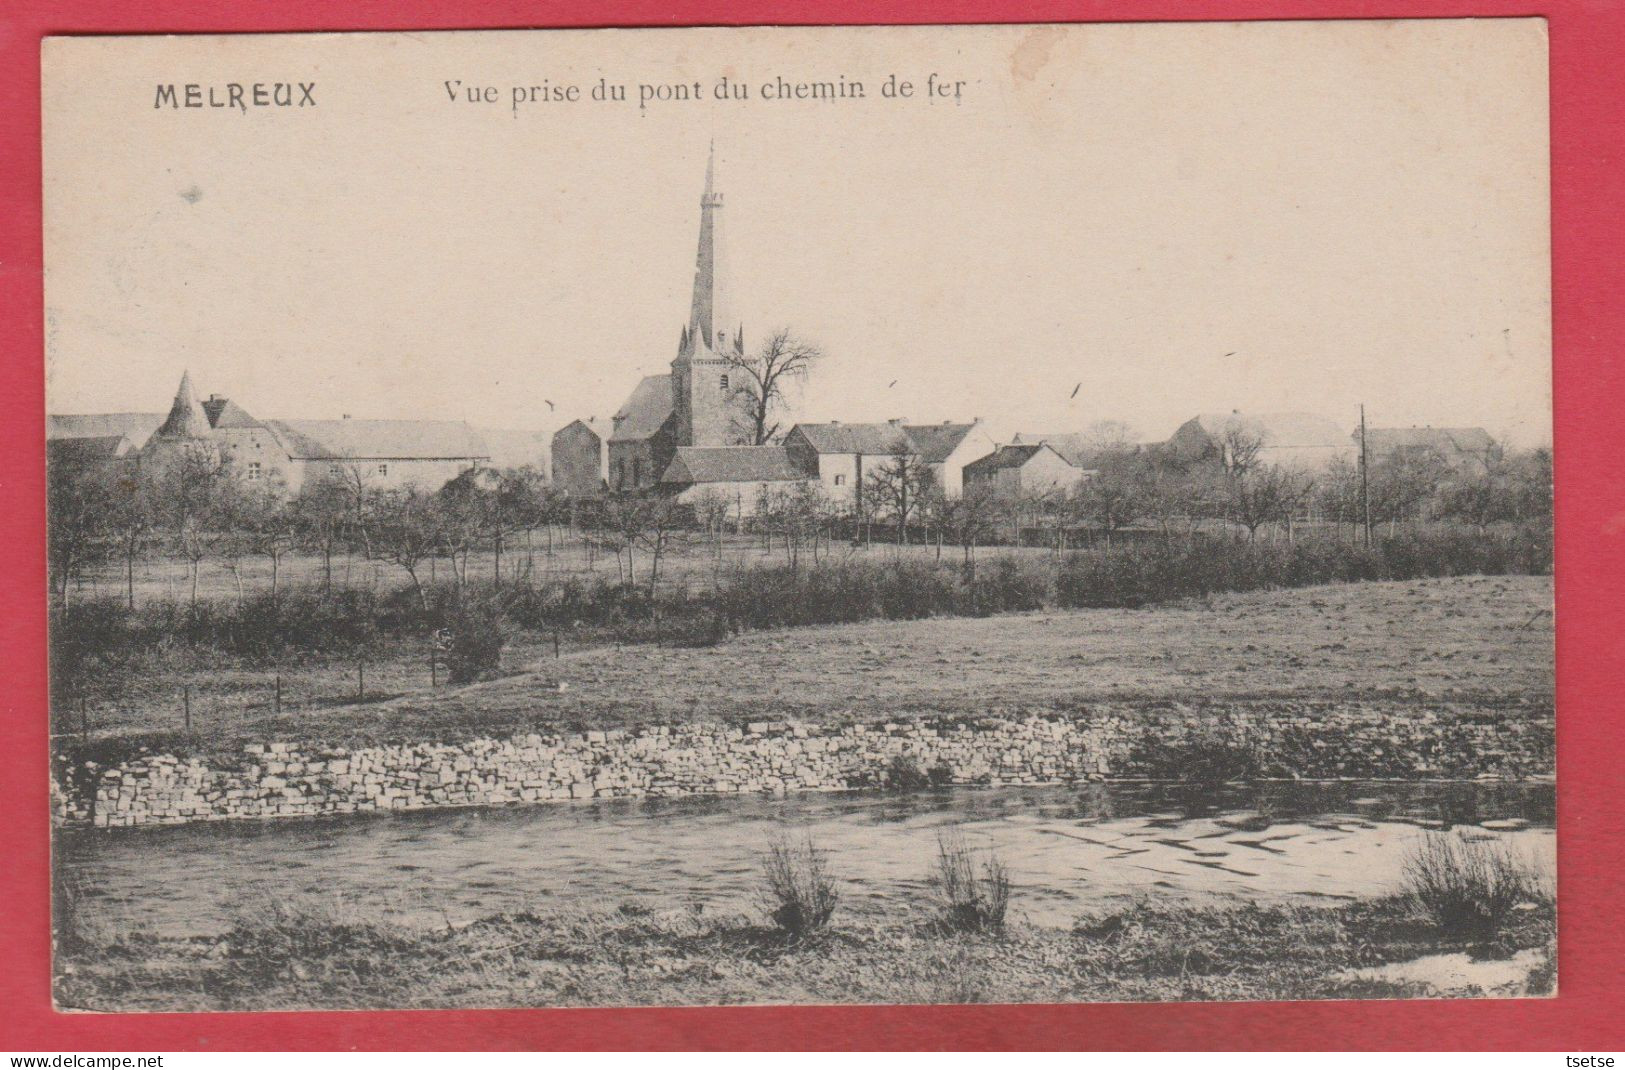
{"type": "Point", "coordinates": [646, 411]}
{"type": "Point", "coordinates": [407, 440]}
{"type": "Point", "coordinates": [135, 426]}
{"type": "Point", "coordinates": [1278, 430]}
{"type": "Point", "coordinates": [1464, 439]}
{"type": "Point", "coordinates": [934, 442]}
{"type": "Point", "coordinates": [732, 464]}
{"type": "Point", "coordinates": [79, 451]}
{"type": "Point", "coordinates": [871, 439]}
{"type": "Point", "coordinates": [601, 428]}
{"type": "Point", "coordinates": [1012, 456]}
{"type": "Point", "coordinates": [1078, 448]}
{"type": "Point", "coordinates": [226, 414]}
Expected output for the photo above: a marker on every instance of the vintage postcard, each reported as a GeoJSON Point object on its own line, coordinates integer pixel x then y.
{"type": "Point", "coordinates": [828, 515]}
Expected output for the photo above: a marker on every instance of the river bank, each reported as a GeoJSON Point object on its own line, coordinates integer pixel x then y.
{"type": "Point", "coordinates": [305, 956]}
{"type": "Point", "coordinates": [1196, 744]}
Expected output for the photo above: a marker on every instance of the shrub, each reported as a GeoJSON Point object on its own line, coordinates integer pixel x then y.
{"type": "Point", "coordinates": [797, 891]}
{"type": "Point", "coordinates": [1206, 755]}
{"type": "Point", "coordinates": [969, 902]}
{"type": "Point", "coordinates": [904, 773]}
{"type": "Point", "coordinates": [1468, 887]}
{"type": "Point", "coordinates": [478, 633]}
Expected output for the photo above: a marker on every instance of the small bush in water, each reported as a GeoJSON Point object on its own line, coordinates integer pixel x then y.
{"type": "Point", "coordinates": [969, 901]}
{"type": "Point", "coordinates": [797, 891]}
{"type": "Point", "coordinates": [1468, 887]}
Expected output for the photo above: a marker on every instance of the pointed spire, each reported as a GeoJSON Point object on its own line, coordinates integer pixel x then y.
{"type": "Point", "coordinates": [708, 263]}
{"type": "Point", "coordinates": [186, 417]}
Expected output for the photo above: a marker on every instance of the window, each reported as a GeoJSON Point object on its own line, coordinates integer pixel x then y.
{"type": "Point", "coordinates": [383, 469]}
{"type": "Point", "coordinates": [253, 471]}
{"type": "Point", "coordinates": [725, 381]}
{"type": "Point", "coordinates": [840, 480]}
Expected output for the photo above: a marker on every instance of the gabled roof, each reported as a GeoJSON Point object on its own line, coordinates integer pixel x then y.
{"type": "Point", "coordinates": [732, 464]}
{"type": "Point", "coordinates": [83, 451]}
{"type": "Point", "coordinates": [225, 414]}
{"type": "Point", "coordinates": [868, 439]}
{"type": "Point", "coordinates": [601, 428]}
{"type": "Point", "coordinates": [934, 442]}
{"type": "Point", "coordinates": [1079, 448]}
{"type": "Point", "coordinates": [1464, 439]}
{"type": "Point", "coordinates": [135, 426]}
{"type": "Point", "coordinates": [646, 411]}
{"type": "Point", "coordinates": [1278, 430]}
{"type": "Point", "coordinates": [405, 440]}
{"type": "Point", "coordinates": [1013, 456]}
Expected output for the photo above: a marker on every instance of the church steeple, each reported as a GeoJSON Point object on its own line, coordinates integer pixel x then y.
{"type": "Point", "coordinates": [707, 319]}
{"type": "Point", "coordinates": [186, 417]}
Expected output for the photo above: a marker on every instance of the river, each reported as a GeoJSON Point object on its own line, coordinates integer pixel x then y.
{"type": "Point", "coordinates": [1068, 849]}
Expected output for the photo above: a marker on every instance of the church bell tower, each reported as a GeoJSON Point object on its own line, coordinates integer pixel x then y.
{"type": "Point", "coordinates": [704, 375]}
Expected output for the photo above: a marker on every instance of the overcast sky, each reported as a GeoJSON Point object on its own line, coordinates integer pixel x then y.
{"type": "Point", "coordinates": [1291, 216]}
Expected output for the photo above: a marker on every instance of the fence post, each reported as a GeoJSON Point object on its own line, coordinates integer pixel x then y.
{"type": "Point", "coordinates": [279, 694]}
{"type": "Point", "coordinates": [555, 644]}
{"type": "Point", "coordinates": [360, 681]}
{"type": "Point", "coordinates": [434, 678]}
{"type": "Point", "coordinates": [84, 720]}
{"type": "Point", "coordinates": [186, 700]}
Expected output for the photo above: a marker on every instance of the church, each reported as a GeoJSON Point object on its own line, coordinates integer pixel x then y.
{"type": "Point", "coordinates": [682, 432]}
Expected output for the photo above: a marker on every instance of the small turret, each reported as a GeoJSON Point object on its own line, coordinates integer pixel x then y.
{"type": "Point", "coordinates": [186, 417]}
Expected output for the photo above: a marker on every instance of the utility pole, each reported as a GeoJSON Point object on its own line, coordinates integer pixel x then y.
{"type": "Point", "coordinates": [1365, 484]}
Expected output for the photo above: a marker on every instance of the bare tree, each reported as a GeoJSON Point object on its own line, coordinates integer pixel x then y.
{"type": "Point", "coordinates": [75, 519]}
{"type": "Point", "coordinates": [971, 518]}
{"type": "Point", "coordinates": [761, 381]}
{"type": "Point", "coordinates": [897, 488]}
{"type": "Point", "coordinates": [1116, 495]}
{"type": "Point", "coordinates": [410, 528]}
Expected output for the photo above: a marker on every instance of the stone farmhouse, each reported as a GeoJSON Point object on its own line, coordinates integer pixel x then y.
{"type": "Point", "coordinates": [580, 465]}
{"type": "Point", "coordinates": [1024, 471]}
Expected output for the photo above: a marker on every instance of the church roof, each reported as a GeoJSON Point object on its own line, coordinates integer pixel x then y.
{"type": "Point", "coordinates": [135, 426]}
{"type": "Point", "coordinates": [646, 411]}
{"type": "Point", "coordinates": [732, 464]}
{"type": "Point", "coordinates": [404, 440]}
{"type": "Point", "coordinates": [934, 442]}
{"type": "Point", "coordinates": [870, 439]}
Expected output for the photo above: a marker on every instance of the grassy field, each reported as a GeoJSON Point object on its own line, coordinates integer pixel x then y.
{"type": "Point", "coordinates": [288, 958]}
{"type": "Point", "coordinates": [1478, 641]}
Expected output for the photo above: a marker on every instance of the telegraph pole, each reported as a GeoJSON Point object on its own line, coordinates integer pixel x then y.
{"type": "Point", "coordinates": [1365, 484]}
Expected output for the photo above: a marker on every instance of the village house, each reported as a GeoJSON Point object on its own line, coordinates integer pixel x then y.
{"type": "Point", "coordinates": [1024, 472]}
{"type": "Point", "coordinates": [136, 427]}
{"type": "Point", "coordinates": [736, 477]}
{"type": "Point", "coordinates": [581, 458]}
{"type": "Point", "coordinates": [1457, 448]}
{"type": "Point", "coordinates": [1300, 441]}
{"type": "Point", "coordinates": [840, 455]}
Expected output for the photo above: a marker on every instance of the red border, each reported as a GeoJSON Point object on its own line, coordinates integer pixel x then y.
{"type": "Point", "coordinates": [1588, 195]}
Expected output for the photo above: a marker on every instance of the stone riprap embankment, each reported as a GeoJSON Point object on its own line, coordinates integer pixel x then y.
{"type": "Point", "coordinates": [308, 779]}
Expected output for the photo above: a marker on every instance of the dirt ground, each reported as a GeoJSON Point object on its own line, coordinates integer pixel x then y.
{"type": "Point", "coordinates": [1477, 641]}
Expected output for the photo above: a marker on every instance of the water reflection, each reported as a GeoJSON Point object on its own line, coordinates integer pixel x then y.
{"type": "Point", "coordinates": [1068, 849]}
